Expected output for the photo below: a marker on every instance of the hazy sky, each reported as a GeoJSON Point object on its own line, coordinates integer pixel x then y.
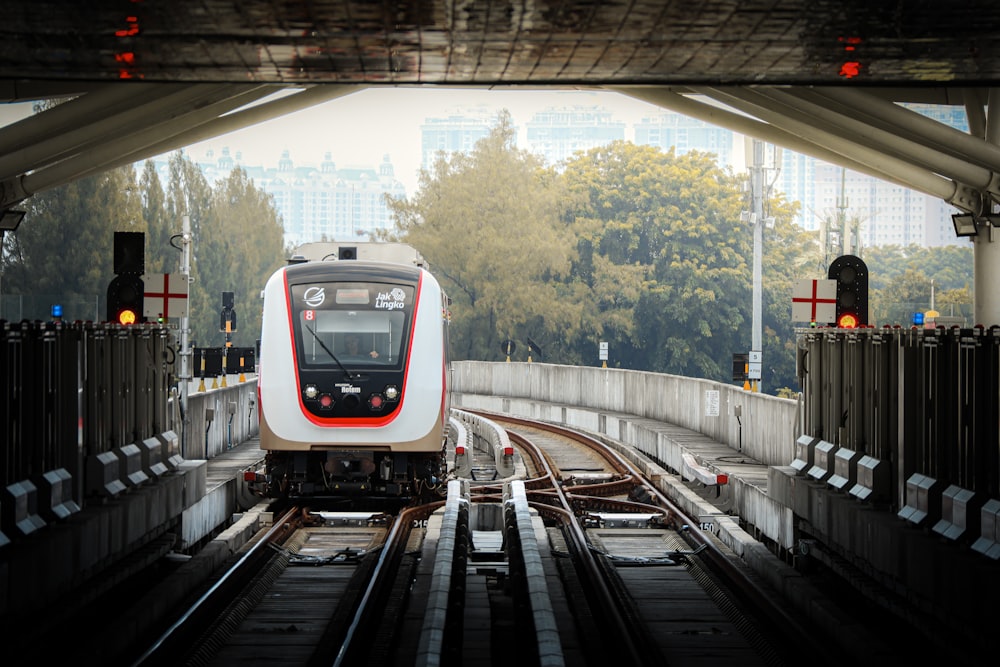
{"type": "Point", "coordinates": [358, 130]}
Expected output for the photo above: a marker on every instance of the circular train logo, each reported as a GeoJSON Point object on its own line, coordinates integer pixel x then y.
{"type": "Point", "coordinates": [314, 297]}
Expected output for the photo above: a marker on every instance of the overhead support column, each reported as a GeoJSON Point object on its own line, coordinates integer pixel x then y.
{"type": "Point", "coordinates": [986, 252]}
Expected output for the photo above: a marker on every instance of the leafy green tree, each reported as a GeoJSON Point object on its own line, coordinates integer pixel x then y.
{"type": "Point", "coordinates": [956, 302]}
{"type": "Point", "coordinates": [901, 279]}
{"type": "Point", "coordinates": [789, 254]}
{"type": "Point", "coordinates": [666, 222]}
{"type": "Point", "coordinates": [160, 256]}
{"type": "Point", "coordinates": [241, 244]}
{"type": "Point", "coordinates": [905, 294]}
{"type": "Point", "coordinates": [668, 266]}
{"type": "Point", "coordinates": [489, 225]}
{"type": "Point", "coordinates": [62, 251]}
{"type": "Point", "coordinates": [189, 193]}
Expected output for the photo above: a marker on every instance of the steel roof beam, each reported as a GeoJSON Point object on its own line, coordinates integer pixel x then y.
{"type": "Point", "coordinates": [874, 162]}
{"type": "Point", "coordinates": [803, 140]}
{"type": "Point", "coordinates": [848, 127]}
{"type": "Point", "coordinates": [39, 141]}
{"type": "Point", "coordinates": [911, 124]}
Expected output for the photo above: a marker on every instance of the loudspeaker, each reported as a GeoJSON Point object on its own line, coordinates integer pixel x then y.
{"type": "Point", "coordinates": [347, 252]}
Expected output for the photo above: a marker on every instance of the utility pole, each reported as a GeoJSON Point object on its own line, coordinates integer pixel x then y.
{"type": "Point", "coordinates": [846, 242]}
{"type": "Point", "coordinates": [185, 354]}
{"type": "Point", "coordinates": [757, 220]}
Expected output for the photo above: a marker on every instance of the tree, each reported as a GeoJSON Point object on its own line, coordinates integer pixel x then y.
{"type": "Point", "coordinates": [901, 279]}
{"type": "Point", "coordinates": [241, 244]}
{"type": "Point", "coordinates": [904, 295]}
{"type": "Point", "coordinates": [955, 302]}
{"type": "Point", "coordinates": [189, 193]}
{"type": "Point", "coordinates": [160, 256]}
{"type": "Point", "coordinates": [790, 254]}
{"type": "Point", "coordinates": [61, 252]}
{"type": "Point", "coordinates": [676, 278]}
{"type": "Point", "coordinates": [667, 264]}
{"type": "Point", "coordinates": [489, 225]}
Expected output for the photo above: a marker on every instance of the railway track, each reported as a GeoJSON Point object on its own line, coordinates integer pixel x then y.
{"type": "Point", "coordinates": [662, 590]}
{"type": "Point", "coordinates": [314, 589]}
{"type": "Point", "coordinates": [581, 563]}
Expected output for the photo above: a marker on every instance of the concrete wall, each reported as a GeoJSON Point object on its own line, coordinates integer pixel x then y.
{"type": "Point", "coordinates": [770, 425]}
{"type": "Point", "coordinates": [219, 419]}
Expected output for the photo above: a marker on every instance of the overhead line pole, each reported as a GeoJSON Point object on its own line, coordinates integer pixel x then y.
{"type": "Point", "coordinates": [757, 210]}
{"type": "Point", "coordinates": [185, 376]}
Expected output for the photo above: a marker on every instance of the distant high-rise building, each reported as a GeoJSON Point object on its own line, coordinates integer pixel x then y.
{"type": "Point", "coordinates": [557, 133]}
{"type": "Point", "coordinates": [457, 132]}
{"type": "Point", "coordinates": [683, 134]}
{"type": "Point", "coordinates": [554, 134]}
{"type": "Point", "coordinates": [889, 214]}
{"type": "Point", "coordinates": [797, 181]}
{"type": "Point", "coordinates": [323, 202]}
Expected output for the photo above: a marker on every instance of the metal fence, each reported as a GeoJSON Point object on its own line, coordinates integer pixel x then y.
{"type": "Point", "coordinates": [924, 400]}
{"type": "Point", "coordinates": [90, 401]}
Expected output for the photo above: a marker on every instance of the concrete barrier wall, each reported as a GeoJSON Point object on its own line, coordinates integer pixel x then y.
{"type": "Point", "coordinates": [219, 419]}
{"type": "Point", "coordinates": [770, 425]}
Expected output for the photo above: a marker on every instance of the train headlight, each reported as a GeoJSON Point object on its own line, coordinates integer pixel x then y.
{"type": "Point", "coordinates": [391, 393]}
{"type": "Point", "coordinates": [311, 391]}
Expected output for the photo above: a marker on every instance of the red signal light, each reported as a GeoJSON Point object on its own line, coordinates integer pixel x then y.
{"type": "Point", "coordinates": [847, 321]}
{"type": "Point", "coordinates": [127, 316]}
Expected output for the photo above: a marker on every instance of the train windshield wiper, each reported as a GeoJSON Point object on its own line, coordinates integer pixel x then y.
{"type": "Point", "coordinates": [328, 351]}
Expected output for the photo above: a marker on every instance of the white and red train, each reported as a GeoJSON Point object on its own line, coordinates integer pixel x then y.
{"type": "Point", "coordinates": [336, 419]}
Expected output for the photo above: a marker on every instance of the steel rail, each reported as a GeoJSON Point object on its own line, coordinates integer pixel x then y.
{"type": "Point", "coordinates": [233, 577]}
{"type": "Point", "coordinates": [707, 549]}
{"type": "Point", "coordinates": [380, 582]}
{"type": "Point", "coordinates": [636, 649]}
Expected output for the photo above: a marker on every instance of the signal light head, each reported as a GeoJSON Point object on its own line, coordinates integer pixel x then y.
{"type": "Point", "coordinates": [847, 321]}
{"type": "Point", "coordinates": [127, 316]}
{"type": "Point", "coordinates": [851, 274]}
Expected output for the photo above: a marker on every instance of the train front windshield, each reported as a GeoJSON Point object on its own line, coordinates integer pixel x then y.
{"type": "Point", "coordinates": [355, 324]}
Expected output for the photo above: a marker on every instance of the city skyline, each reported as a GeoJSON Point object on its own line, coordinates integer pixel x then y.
{"type": "Point", "coordinates": [888, 213]}
{"type": "Point", "coordinates": [358, 130]}
{"type": "Point", "coordinates": [363, 130]}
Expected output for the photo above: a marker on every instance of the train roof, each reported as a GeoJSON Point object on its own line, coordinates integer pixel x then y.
{"type": "Point", "coordinates": [395, 253]}
{"type": "Point", "coordinates": [352, 270]}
